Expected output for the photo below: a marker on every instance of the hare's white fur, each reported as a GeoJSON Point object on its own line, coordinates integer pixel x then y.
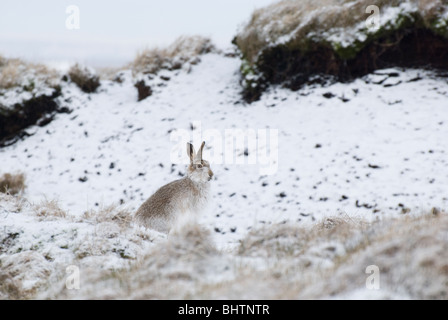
{"type": "Point", "coordinates": [179, 200]}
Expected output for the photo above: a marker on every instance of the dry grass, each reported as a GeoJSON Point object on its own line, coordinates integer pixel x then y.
{"type": "Point", "coordinates": [289, 262]}
{"type": "Point", "coordinates": [12, 183]}
{"type": "Point", "coordinates": [287, 240]}
{"type": "Point", "coordinates": [286, 261]}
{"type": "Point", "coordinates": [18, 73]}
{"type": "Point", "coordinates": [410, 253]}
{"type": "Point", "coordinates": [184, 50]}
{"type": "Point", "coordinates": [9, 288]}
{"type": "Point", "coordinates": [112, 213]}
{"type": "Point", "coordinates": [85, 78]}
{"type": "Point", "coordinates": [166, 271]}
{"type": "Point", "coordinates": [302, 21]}
{"type": "Point", "coordinates": [16, 284]}
{"type": "Point", "coordinates": [48, 210]}
{"type": "Point", "coordinates": [39, 241]}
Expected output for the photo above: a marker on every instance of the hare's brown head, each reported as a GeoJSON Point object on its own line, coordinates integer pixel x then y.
{"type": "Point", "coordinates": [199, 169]}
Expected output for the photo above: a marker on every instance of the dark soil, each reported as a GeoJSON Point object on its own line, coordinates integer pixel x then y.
{"type": "Point", "coordinates": [86, 82]}
{"type": "Point", "coordinates": [39, 110]}
{"type": "Point", "coordinates": [405, 48]}
{"type": "Point", "coordinates": [143, 90]}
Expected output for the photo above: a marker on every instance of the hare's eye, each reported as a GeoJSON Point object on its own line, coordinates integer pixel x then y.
{"type": "Point", "coordinates": [199, 165]}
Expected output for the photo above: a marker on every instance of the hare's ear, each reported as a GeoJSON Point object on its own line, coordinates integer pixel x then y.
{"type": "Point", "coordinates": [191, 152]}
{"type": "Point", "coordinates": [199, 155]}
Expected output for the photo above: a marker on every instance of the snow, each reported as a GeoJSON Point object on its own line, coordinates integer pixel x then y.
{"type": "Point", "coordinates": [340, 24]}
{"type": "Point", "coordinates": [37, 249]}
{"type": "Point", "coordinates": [330, 260]}
{"type": "Point", "coordinates": [372, 148]}
{"type": "Point", "coordinates": [26, 81]}
{"type": "Point", "coordinates": [368, 148]}
{"type": "Point", "coordinates": [388, 17]}
{"type": "Point", "coordinates": [17, 96]}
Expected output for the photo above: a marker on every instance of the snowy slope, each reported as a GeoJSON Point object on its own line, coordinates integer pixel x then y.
{"type": "Point", "coordinates": [48, 255]}
{"type": "Point", "coordinates": [38, 242]}
{"type": "Point", "coordinates": [372, 147]}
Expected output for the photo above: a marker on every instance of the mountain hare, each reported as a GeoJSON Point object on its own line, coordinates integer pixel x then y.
{"type": "Point", "coordinates": [180, 198]}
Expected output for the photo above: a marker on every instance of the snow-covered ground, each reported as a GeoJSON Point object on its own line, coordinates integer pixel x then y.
{"type": "Point", "coordinates": [347, 154]}
{"type": "Point", "coordinates": [39, 243]}
{"type": "Point", "coordinates": [373, 147]}
{"type": "Point", "coordinates": [48, 254]}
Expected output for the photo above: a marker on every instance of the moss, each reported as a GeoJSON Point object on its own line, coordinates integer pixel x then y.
{"type": "Point", "coordinates": [403, 21]}
{"type": "Point", "coordinates": [246, 68]}
{"type": "Point", "coordinates": [30, 86]}
{"type": "Point", "coordinates": [121, 253]}
{"type": "Point", "coordinates": [348, 52]}
{"type": "Point", "coordinates": [251, 81]}
{"type": "Point", "coordinates": [36, 246]}
{"type": "Point", "coordinates": [8, 241]}
{"type": "Point", "coordinates": [439, 26]}
{"type": "Point", "coordinates": [407, 40]}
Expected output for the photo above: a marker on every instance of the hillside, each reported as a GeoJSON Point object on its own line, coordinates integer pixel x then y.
{"type": "Point", "coordinates": [369, 148]}
{"type": "Point", "coordinates": [327, 139]}
{"type": "Point", "coordinates": [47, 253]}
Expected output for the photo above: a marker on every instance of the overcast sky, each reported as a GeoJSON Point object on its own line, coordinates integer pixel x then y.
{"type": "Point", "coordinates": [111, 32]}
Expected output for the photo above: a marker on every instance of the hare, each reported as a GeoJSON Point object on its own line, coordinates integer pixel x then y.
{"type": "Point", "coordinates": [178, 199]}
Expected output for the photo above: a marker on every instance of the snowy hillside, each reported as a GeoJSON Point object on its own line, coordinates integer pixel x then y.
{"type": "Point", "coordinates": [326, 128]}
{"type": "Point", "coordinates": [46, 253]}
{"type": "Point", "coordinates": [373, 147]}
{"type": "Point", "coordinates": [344, 169]}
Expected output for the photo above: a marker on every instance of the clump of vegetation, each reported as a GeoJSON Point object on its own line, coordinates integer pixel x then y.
{"type": "Point", "coordinates": [85, 78]}
{"type": "Point", "coordinates": [28, 94]}
{"type": "Point", "coordinates": [143, 90]}
{"type": "Point", "coordinates": [14, 283]}
{"type": "Point", "coordinates": [292, 40]}
{"type": "Point", "coordinates": [112, 213]}
{"type": "Point", "coordinates": [12, 183]}
{"type": "Point", "coordinates": [288, 261]}
{"type": "Point", "coordinates": [49, 209]}
{"type": "Point", "coordinates": [16, 73]}
{"type": "Point", "coordinates": [185, 50]}
{"type": "Point", "coordinates": [9, 288]}
{"type": "Point", "coordinates": [183, 53]}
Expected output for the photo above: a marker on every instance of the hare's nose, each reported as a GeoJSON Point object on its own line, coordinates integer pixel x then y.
{"type": "Point", "coordinates": [210, 173]}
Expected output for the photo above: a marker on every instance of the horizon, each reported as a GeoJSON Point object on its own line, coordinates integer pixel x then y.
{"type": "Point", "coordinates": [37, 32]}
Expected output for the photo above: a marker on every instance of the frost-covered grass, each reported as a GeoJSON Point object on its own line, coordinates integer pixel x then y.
{"type": "Point", "coordinates": [337, 24]}
{"type": "Point", "coordinates": [348, 154]}
{"type": "Point", "coordinates": [373, 147]}
{"type": "Point", "coordinates": [38, 241]}
{"type": "Point", "coordinates": [19, 73]}
{"type": "Point", "coordinates": [184, 52]}
{"type": "Point", "coordinates": [21, 81]}
{"type": "Point", "coordinates": [118, 260]}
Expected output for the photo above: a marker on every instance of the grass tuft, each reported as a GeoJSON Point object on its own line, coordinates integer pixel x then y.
{"type": "Point", "coordinates": [18, 73]}
{"type": "Point", "coordinates": [85, 78]}
{"type": "Point", "coordinates": [185, 50]}
{"type": "Point", "coordinates": [12, 183]}
{"type": "Point", "coordinates": [48, 209]}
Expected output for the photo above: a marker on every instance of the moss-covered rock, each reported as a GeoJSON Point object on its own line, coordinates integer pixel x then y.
{"type": "Point", "coordinates": [291, 41]}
